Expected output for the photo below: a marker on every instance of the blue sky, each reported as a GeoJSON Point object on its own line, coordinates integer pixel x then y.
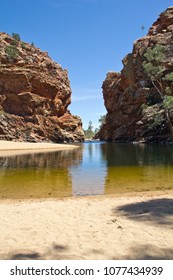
{"type": "Point", "coordinates": [87, 37]}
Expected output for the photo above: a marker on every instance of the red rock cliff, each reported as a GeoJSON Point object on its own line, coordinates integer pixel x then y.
{"type": "Point", "coordinates": [130, 115]}
{"type": "Point", "coordinates": [34, 95]}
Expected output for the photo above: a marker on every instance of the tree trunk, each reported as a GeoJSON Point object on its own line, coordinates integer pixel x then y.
{"type": "Point", "coordinates": [158, 90]}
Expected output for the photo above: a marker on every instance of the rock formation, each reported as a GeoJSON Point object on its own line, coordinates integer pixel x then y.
{"type": "Point", "coordinates": [34, 95]}
{"type": "Point", "coordinates": [133, 104]}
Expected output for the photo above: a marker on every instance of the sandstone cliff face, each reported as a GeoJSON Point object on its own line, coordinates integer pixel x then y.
{"type": "Point", "coordinates": [34, 96]}
{"type": "Point", "coordinates": [125, 93]}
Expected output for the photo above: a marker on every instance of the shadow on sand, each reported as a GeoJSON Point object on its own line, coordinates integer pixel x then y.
{"type": "Point", "coordinates": [55, 252]}
{"type": "Point", "coordinates": [159, 211]}
{"type": "Point", "coordinates": [148, 252]}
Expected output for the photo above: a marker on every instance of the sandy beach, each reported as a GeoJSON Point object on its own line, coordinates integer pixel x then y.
{"type": "Point", "coordinates": [135, 226]}
{"type": "Point", "coordinates": [9, 148]}
{"type": "Point", "coordinates": [126, 226]}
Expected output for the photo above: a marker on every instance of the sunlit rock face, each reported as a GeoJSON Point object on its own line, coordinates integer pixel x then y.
{"type": "Point", "coordinates": [34, 96]}
{"type": "Point", "coordinates": [126, 92]}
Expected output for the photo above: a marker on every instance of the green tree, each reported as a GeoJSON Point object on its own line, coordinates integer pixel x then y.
{"type": "Point", "coordinates": [168, 77]}
{"type": "Point", "coordinates": [102, 120]}
{"type": "Point", "coordinates": [90, 126]}
{"type": "Point", "coordinates": [154, 68]}
{"type": "Point", "coordinates": [168, 102]}
{"type": "Point", "coordinates": [89, 133]}
{"type": "Point", "coordinates": [16, 36]}
{"type": "Point", "coordinates": [96, 130]}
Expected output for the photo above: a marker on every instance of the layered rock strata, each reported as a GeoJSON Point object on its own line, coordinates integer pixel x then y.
{"type": "Point", "coordinates": [34, 96]}
{"type": "Point", "coordinates": [131, 100]}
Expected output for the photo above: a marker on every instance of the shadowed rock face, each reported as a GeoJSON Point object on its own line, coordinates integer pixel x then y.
{"type": "Point", "coordinates": [34, 96]}
{"type": "Point", "coordinates": [124, 93]}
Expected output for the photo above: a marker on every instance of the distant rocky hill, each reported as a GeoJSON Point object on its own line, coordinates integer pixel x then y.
{"type": "Point", "coordinates": [34, 95]}
{"type": "Point", "coordinates": [135, 109]}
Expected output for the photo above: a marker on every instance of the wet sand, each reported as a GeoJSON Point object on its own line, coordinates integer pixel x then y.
{"type": "Point", "coordinates": [129, 226]}
{"type": "Point", "coordinates": [9, 148]}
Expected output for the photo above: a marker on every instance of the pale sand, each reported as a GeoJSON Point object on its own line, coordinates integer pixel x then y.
{"type": "Point", "coordinates": [9, 148]}
{"type": "Point", "coordinates": [135, 226]}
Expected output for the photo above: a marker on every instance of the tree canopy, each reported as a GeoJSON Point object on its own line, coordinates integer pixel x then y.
{"type": "Point", "coordinates": [156, 71]}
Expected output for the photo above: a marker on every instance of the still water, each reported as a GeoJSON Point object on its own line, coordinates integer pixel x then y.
{"type": "Point", "coordinates": [93, 168]}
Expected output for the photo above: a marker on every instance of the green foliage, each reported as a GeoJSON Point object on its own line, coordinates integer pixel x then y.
{"type": "Point", "coordinates": [96, 130]}
{"type": "Point", "coordinates": [32, 44]}
{"type": "Point", "coordinates": [14, 43]}
{"type": "Point", "coordinates": [154, 68]}
{"type": "Point", "coordinates": [23, 45]}
{"type": "Point", "coordinates": [12, 52]}
{"type": "Point", "coordinates": [16, 36]}
{"type": "Point", "coordinates": [155, 54]}
{"type": "Point", "coordinates": [153, 59]}
{"type": "Point", "coordinates": [89, 133]}
{"type": "Point", "coordinates": [168, 90]}
{"type": "Point", "coordinates": [157, 120]}
{"type": "Point", "coordinates": [90, 126]}
{"type": "Point", "coordinates": [169, 77]}
{"type": "Point", "coordinates": [144, 106]}
{"type": "Point", "coordinates": [102, 120]}
{"type": "Point", "coordinates": [153, 71]}
{"type": "Point", "coordinates": [168, 102]}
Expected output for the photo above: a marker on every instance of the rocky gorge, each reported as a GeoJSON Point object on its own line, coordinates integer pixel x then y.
{"type": "Point", "coordinates": [135, 110]}
{"type": "Point", "coordinates": [34, 95]}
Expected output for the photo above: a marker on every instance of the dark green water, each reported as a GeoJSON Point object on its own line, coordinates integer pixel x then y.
{"type": "Point", "coordinates": [93, 168]}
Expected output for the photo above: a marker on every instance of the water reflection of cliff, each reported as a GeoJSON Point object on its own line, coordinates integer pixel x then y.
{"type": "Point", "coordinates": [134, 167]}
{"type": "Point", "coordinates": [136, 154]}
{"type": "Point", "coordinates": [38, 175]}
{"type": "Point", "coordinates": [94, 168]}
